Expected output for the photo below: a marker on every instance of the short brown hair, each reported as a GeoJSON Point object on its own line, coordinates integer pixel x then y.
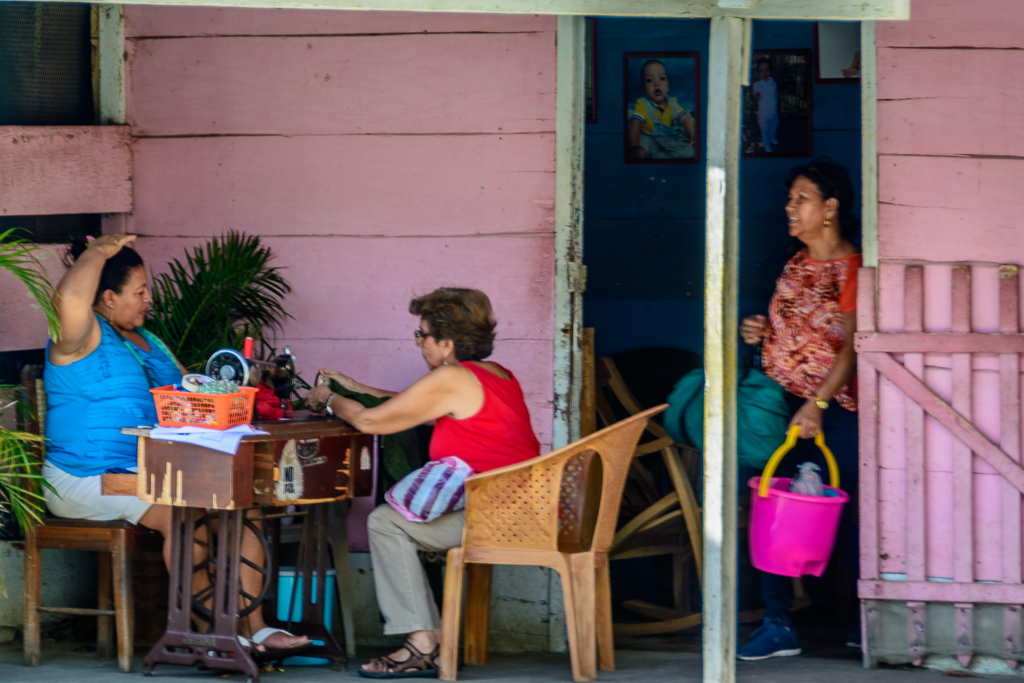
{"type": "Point", "coordinates": [462, 315]}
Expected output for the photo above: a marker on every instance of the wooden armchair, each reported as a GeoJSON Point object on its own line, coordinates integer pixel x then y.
{"type": "Point", "coordinates": [559, 511]}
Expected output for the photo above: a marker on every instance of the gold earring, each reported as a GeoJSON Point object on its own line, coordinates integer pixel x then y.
{"type": "Point", "coordinates": [827, 222]}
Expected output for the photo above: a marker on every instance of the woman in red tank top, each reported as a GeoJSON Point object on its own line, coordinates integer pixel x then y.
{"type": "Point", "coordinates": [479, 416]}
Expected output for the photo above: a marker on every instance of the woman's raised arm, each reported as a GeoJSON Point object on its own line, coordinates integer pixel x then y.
{"type": "Point", "coordinates": [77, 291]}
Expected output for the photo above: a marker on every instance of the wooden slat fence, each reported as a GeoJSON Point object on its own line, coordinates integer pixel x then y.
{"type": "Point", "coordinates": [941, 477]}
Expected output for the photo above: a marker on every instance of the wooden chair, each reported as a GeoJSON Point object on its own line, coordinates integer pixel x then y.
{"type": "Point", "coordinates": [558, 511]}
{"type": "Point", "coordinates": [116, 542]}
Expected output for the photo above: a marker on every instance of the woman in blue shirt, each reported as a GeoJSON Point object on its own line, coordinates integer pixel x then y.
{"type": "Point", "coordinates": [98, 376]}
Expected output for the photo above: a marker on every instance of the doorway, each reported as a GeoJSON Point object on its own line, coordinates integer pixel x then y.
{"type": "Point", "coordinates": [644, 228]}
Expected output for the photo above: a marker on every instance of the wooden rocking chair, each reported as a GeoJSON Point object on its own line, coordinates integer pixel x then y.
{"type": "Point", "coordinates": [662, 525]}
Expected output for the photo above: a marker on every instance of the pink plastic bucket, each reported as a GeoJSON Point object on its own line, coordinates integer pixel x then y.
{"type": "Point", "coordinates": [792, 534]}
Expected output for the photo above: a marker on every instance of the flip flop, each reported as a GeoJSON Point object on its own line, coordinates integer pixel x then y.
{"type": "Point", "coordinates": [272, 654]}
{"type": "Point", "coordinates": [418, 665]}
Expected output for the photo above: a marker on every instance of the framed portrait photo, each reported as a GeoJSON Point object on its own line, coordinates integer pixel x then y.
{"type": "Point", "coordinates": [837, 52]}
{"type": "Point", "coordinates": [777, 105]}
{"type": "Point", "coordinates": [662, 117]}
{"type": "Point", "coordinates": [590, 77]}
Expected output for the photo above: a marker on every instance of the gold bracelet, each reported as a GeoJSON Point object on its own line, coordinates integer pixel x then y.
{"type": "Point", "coordinates": [820, 402]}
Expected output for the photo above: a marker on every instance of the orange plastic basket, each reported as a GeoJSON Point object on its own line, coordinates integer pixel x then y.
{"type": "Point", "coordinates": [214, 411]}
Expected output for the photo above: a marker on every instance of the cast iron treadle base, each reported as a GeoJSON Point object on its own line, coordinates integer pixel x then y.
{"type": "Point", "coordinates": [215, 651]}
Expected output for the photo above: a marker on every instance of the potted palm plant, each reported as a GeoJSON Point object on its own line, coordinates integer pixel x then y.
{"type": "Point", "coordinates": [20, 500]}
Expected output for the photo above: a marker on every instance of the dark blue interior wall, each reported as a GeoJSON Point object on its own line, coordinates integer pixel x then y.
{"type": "Point", "coordinates": [644, 223]}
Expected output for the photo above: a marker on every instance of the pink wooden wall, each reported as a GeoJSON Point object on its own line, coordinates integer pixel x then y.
{"type": "Point", "coordinates": [951, 164]}
{"type": "Point", "coordinates": [379, 154]}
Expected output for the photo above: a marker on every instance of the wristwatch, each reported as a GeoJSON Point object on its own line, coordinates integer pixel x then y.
{"type": "Point", "coordinates": [818, 400]}
{"type": "Point", "coordinates": [327, 405]}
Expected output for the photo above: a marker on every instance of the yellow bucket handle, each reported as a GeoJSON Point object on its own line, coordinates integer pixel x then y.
{"type": "Point", "coordinates": [791, 437]}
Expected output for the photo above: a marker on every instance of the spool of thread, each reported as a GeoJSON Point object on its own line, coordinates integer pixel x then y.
{"type": "Point", "coordinates": [247, 348]}
{"type": "Point", "coordinates": [192, 382]}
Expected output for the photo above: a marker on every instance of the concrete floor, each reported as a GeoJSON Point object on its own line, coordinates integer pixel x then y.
{"type": "Point", "coordinates": [68, 662]}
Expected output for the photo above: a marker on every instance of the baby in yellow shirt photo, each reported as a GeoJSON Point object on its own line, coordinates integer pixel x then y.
{"type": "Point", "coordinates": [658, 127]}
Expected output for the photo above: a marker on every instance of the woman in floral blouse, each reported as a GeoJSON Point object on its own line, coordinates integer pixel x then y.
{"type": "Point", "coordinates": [807, 347]}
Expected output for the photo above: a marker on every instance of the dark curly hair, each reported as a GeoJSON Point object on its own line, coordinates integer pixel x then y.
{"type": "Point", "coordinates": [461, 315]}
{"type": "Point", "coordinates": [116, 271]}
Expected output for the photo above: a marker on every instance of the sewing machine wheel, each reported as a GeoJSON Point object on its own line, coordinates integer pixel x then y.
{"type": "Point", "coordinates": [209, 565]}
{"type": "Point", "coordinates": [228, 364]}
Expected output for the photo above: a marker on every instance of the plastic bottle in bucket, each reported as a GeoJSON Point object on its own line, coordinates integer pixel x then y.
{"type": "Point", "coordinates": [793, 534]}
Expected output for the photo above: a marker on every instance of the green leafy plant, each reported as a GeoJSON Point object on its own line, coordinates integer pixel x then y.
{"type": "Point", "coordinates": [225, 291]}
{"type": "Point", "coordinates": [19, 466]}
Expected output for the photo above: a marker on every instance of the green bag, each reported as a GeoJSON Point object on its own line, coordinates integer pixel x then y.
{"type": "Point", "coordinates": [762, 415]}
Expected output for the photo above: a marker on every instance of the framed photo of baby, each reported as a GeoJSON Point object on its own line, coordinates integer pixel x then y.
{"type": "Point", "coordinates": [662, 117]}
{"type": "Point", "coordinates": [777, 105]}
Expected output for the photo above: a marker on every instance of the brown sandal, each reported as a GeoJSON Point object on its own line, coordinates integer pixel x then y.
{"type": "Point", "coordinates": [418, 665]}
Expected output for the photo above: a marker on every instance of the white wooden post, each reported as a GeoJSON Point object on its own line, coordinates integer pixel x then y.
{"type": "Point", "coordinates": [869, 143]}
{"type": "Point", "coordinates": [110, 62]}
{"type": "Point", "coordinates": [569, 270]}
{"type": "Point", "coordinates": [727, 65]}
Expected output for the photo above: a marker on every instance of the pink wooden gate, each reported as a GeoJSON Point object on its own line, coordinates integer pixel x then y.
{"type": "Point", "coordinates": [940, 429]}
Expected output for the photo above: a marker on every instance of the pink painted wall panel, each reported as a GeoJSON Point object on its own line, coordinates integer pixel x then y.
{"type": "Point", "coordinates": [438, 83]}
{"type": "Point", "coordinates": [939, 524]}
{"type": "Point", "coordinates": [951, 209]}
{"type": "Point", "coordinates": [213, 21]}
{"type": "Point", "coordinates": [892, 487]}
{"type": "Point", "coordinates": [352, 288]}
{"type": "Point", "coordinates": [346, 184]}
{"type": "Point", "coordinates": [950, 102]}
{"type": "Point", "coordinates": [22, 323]}
{"type": "Point", "coordinates": [376, 166]}
{"type": "Point", "coordinates": [954, 23]}
{"type": "Point", "coordinates": [988, 527]}
{"type": "Point", "coordinates": [64, 169]}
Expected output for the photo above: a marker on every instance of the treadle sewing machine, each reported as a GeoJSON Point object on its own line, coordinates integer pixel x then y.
{"type": "Point", "coordinates": [309, 460]}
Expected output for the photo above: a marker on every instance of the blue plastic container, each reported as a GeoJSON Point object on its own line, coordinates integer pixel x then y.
{"type": "Point", "coordinates": [289, 592]}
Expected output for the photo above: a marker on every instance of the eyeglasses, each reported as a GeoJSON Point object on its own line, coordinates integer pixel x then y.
{"type": "Point", "coordinates": [420, 335]}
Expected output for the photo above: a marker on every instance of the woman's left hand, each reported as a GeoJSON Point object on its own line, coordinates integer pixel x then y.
{"type": "Point", "coordinates": [809, 419]}
{"type": "Point", "coordinates": [317, 397]}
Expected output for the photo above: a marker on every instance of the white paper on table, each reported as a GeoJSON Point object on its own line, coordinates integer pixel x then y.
{"type": "Point", "coordinates": [223, 440]}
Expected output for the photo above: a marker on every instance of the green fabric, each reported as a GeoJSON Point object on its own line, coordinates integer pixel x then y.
{"type": "Point", "coordinates": [399, 452]}
{"type": "Point", "coordinates": [762, 415]}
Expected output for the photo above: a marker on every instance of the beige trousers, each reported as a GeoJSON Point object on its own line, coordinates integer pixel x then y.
{"type": "Point", "coordinates": [403, 594]}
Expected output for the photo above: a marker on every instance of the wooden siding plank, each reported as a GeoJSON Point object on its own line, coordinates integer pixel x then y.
{"type": "Point", "coordinates": [935, 591]}
{"type": "Point", "coordinates": [917, 631]}
{"type": "Point", "coordinates": [22, 324]}
{"type": "Point", "coordinates": [370, 185]}
{"type": "Point", "coordinates": [407, 84]}
{"type": "Point", "coordinates": [1009, 423]}
{"type": "Point", "coordinates": [949, 418]}
{"type": "Point", "coordinates": [963, 459]}
{"type": "Point", "coordinates": [955, 23]}
{"type": "Point", "coordinates": [171, 22]}
{"type": "Point", "coordinates": [841, 10]}
{"type": "Point", "coordinates": [939, 342]}
{"type": "Point", "coordinates": [868, 426]}
{"type": "Point", "coordinates": [64, 169]}
{"type": "Point", "coordinates": [914, 415]}
{"type": "Point", "coordinates": [915, 108]}
{"type": "Point", "coordinates": [356, 288]}
{"type": "Point", "coordinates": [926, 208]}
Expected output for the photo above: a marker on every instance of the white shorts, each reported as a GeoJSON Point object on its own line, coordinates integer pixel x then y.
{"type": "Point", "coordinates": [82, 498]}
